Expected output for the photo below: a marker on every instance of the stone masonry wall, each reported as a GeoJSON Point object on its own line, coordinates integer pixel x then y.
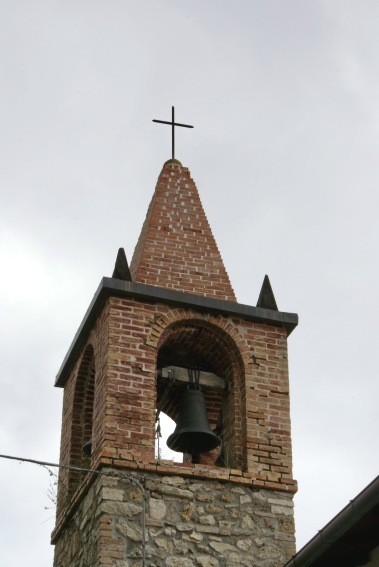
{"type": "Point", "coordinates": [189, 523]}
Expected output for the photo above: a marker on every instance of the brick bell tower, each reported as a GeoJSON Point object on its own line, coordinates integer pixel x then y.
{"type": "Point", "coordinates": [175, 310]}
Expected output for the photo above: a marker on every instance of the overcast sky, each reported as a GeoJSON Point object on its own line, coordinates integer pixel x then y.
{"type": "Point", "coordinates": [284, 97]}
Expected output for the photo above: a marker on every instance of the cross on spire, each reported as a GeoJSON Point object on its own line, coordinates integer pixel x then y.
{"type": "Point", "coordinates": [173, 124]}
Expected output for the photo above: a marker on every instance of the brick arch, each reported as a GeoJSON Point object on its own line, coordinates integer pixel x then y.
{"type": "Point", "coordinates": [82, 416]}
{"type": "Point", "coordinates": [162, 322]}
{"type": "Point", "coordinates": [215, 345]}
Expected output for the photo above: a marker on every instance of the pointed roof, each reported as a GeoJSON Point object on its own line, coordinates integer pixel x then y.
{"type": "Point", "coordinates": [266, 297]}
{"type": "Point", "coordinates": [176, 248]}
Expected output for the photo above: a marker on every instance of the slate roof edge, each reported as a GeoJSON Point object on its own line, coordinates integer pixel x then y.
{"type": "Point", "coordinates": [337, 527]}
{"type": "Point", "coordinates": [113, 287]}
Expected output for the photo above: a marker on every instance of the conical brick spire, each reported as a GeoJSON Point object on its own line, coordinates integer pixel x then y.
{"type": "Point", "coordinates": [176, 248]}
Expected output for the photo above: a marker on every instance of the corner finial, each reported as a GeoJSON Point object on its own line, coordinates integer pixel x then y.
{"type": "Point", "coordinates": [266, 298]}
{"type": "Point", "coordinates": [121, 269]}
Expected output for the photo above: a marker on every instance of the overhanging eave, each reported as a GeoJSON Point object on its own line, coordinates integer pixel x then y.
{"type": "Point", "coordinates": [113, 287]}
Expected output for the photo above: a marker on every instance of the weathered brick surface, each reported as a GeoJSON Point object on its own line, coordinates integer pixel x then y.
{"type": "Point", "coordinates": [126, 342]}
{"type": "Point", "coordinates": [72, 434]}
{"type": "Point", "coordinates": [176, 248]}
{"type": "Point", "coordinates": [111, 397]}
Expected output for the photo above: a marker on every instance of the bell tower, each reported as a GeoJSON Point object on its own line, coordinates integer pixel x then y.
{"type": "Point", "coordinates": [167, 326]}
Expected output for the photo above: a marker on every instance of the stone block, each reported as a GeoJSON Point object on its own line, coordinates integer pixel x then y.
{"type": "Point", "coordinates": [112, 494]}
{"type": "Point", "coordinates": [207, 520]}
{"type": "Point", "coordinates": [120, 508]}
{"type": "Point", "coordinates": [173, 561]}
{"type": "Point", "coordinates": [157, 509]}
{"type": "Point", "coordinates": [207, 561]}
{"type": "Point", "coordinates": [129, 530]}
{"type": "Point", "coordinates": [169, 490]}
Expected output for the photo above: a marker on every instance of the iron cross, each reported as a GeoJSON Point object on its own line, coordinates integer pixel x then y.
{"type": "Point", "coordinates": [173, 124]}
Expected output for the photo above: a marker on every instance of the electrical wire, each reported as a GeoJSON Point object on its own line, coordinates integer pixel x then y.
{"type": "Point", "coordinates": [99, 473]}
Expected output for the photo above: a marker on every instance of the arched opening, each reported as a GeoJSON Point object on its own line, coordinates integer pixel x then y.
{"type": "Point", "coordinates": [81, 433]}
{"type": "Point", "coordinates": [198, 344]}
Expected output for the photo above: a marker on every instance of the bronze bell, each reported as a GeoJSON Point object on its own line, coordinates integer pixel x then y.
{"type": "Point", "coordinates": [87, 448]}
{"type": "Point", "coordinates": [192, 434]}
